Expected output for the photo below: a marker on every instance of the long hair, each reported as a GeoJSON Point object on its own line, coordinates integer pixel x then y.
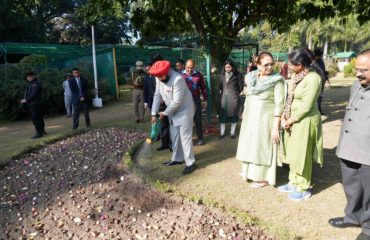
{"type": "Point", "coordinates": [306, 58]}
{"type": "Point", "coordinates": [232, 64]}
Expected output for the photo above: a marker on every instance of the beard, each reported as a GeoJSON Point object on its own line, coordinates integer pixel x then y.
{"type": "Point", "coordinates": [165, 80]}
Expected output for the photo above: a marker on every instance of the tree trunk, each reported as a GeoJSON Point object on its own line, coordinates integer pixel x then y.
{"type": "Point", "coordinates": [326, 47]}
{"type": "Point", "coordinates": [290, 47]}
{"type": "Point", "coordinates": [310, 42]}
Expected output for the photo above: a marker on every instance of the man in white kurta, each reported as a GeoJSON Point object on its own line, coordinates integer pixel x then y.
{"type": "Point", "coordinates": [172, 89]}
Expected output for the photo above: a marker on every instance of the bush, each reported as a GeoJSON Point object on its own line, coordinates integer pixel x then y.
{"type": "Point", "coordinates": [332, 70]}
{"type": "Point", "coordinates": [349, 69]}
{"type": "Point", "coordinates": [13, 85]}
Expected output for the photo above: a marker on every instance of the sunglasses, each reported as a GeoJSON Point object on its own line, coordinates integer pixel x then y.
{"type": "Point", "coordinates": [268, 65]}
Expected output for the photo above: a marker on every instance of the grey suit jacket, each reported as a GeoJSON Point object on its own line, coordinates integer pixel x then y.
{"type": "Point", "coordinates": [177, 96]}
{"type": "Point", "coordinates": [354, 141]}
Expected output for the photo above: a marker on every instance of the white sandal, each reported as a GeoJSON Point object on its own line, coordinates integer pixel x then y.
{"type": "Point", "coordinates": [258, 184]}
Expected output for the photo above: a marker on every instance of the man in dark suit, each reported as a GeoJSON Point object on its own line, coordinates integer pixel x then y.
{"type": "Point", "coordinates": [149, 88]}
{"type": "Point", "coordinates": [33, 99]}
{"type": "Point", "coordinates": [78, 87]}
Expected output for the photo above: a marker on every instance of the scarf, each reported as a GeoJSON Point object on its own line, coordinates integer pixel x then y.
{"type": "Point", "coordinates": [256, 87]}
{"type": "Point", "coordinates": [228, 76]}
{"type": "Point", "coordinates": [296, 79]}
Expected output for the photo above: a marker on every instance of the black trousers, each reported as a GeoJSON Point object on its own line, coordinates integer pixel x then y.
{"type": "Point", "coordinates": [76, 114]}
{"type": "Point", "coordinates": [164, 133]}
{"type": "Point", "coordinates": [356, 184]}
{"type": "Point", "coordinates": [198, 118]}
{"type": "Point", "coordinates": [37, 119]}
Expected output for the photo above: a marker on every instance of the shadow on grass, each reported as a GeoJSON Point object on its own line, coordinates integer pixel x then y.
{"type": "Point", "coordinates": [322, 178]}
{"type": "Point", "coordinates": [329, 174]}
{"type": "Point", "coordinates": [334, 104]}
{"type": "Point", "coordinates": [149, 161]}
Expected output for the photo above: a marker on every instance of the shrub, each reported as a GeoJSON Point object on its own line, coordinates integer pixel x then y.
{"type": "Point", "coordinates": [349, 69]}
{"type": "Point", "coordinates": [332, 70]}
{"type": "Point", "coordinates": [13, 85]}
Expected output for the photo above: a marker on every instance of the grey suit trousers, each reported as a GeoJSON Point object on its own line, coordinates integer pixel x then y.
{"type": "Point", "coordinates": [182, 143]}
{"type": "Point", "coordinates": [356, 184]}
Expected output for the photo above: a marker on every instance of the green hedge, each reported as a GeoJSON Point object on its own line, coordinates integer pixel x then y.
{"type": "Point", "coordinates": [349, 69]}
{"type": "Point", "coordinates": [13, 85]}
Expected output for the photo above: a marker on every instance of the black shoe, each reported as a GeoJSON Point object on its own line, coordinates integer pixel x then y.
{"type": "Point", "coordinates": [340, 223]}
{"type": "Point", "coordinates": [155, 139]}
{"type": "Point", "coordinates": [201, 142]}
{"type": "Point", "coordinates": [37, 135]}
{"type": "Point", "coordinates": [188, 169]}
{"type": "Point", "coordinates": [221, 136]}
{"type": "Point", "coordinates": [363, 236]}
{"type": "Point", "coordinates": [171, 163]}
{"type": "Point", "coordinates": [138, 121]}
{"type": "Point", "coordinates": [232, 135]}
{"type": "Point", "coordinates": [160, 148]}
{"type": "Point", "coordinates": [44, 132]}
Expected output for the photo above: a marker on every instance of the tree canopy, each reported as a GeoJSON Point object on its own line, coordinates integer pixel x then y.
{"type": "Point", "coordinates": [219, 23]}
{"type": "Point", "coordinates": [60, 21]}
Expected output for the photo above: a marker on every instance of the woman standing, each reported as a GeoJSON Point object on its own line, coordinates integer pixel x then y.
{"type": "Point", "coordinates": [302, 122]}
{"type": "Point", "coordinates": [259, 132]}
{"type": "Point", "coordinates": [230, 86]}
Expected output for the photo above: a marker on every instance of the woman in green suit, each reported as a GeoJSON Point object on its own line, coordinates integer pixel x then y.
{"type": "Point", "coordinates": [302, 123]}
{"type": "Point", "coordinates": [259, 130]}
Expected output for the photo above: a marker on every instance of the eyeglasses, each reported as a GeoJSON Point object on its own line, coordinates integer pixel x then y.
{"type": "Point", "coordinates": [361, 70]}
{"type": "Point", "coordinates": [268, 65]}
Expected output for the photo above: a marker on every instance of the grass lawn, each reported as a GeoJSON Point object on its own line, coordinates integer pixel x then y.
{"type": "Point", "coordinates": [16, 136]}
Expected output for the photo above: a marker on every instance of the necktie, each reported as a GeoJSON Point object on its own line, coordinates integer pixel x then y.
{"type": "Point", "coordinates": [79, 86]}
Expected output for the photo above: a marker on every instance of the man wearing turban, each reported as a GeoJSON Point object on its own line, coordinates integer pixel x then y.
{"type": "Point", "coordinates": [171, 87]}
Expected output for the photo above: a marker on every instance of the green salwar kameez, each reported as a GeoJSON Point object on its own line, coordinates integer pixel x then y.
{"type": "Point", "coordinates": [304, 144]}
{"type": "Point", "coordinates": [255, 147]}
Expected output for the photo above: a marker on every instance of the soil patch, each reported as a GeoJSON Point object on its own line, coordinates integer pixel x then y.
{"type": "Point", "coordinates": [78, 188]}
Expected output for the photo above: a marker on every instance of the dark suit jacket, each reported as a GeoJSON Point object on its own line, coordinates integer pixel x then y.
{"type": "Point", "coordinates": [149, 89]}
{"type": "Point", "coordinates": [76, 94]}
{"type": "Point", "coordinates": [34, 93]}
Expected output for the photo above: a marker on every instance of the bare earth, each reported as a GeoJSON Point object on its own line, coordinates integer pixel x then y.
{"type": "Point", "coordinates": [78, 188]}
{"type": "Point", "coordinates": [216, 179]}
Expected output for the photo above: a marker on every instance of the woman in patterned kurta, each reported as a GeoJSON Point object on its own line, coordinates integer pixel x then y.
{"type": "Point", "coordinates": [230, 86]}
{"type": "Point", "coordinates": [302, 122]}
{"type": "Point", "coordinates": [259, 131]}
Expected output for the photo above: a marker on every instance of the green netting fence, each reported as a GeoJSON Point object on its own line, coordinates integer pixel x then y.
{"type": "Point", "coordinates": [114, 62]}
